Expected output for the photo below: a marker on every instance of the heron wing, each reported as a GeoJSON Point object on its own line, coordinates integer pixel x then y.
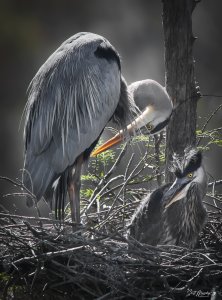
{"type": "Point", "coordinates": [146, 222]}
{"type": "Point", "coordinates": [71, 99]}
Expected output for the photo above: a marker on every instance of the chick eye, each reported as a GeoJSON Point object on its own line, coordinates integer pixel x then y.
{"type": "Point", "coordinates": [190, 175]}
{"type": "Point", "coordinates": [149, 126]}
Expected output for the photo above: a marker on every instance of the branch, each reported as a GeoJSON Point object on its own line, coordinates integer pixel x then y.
{"type": "Point", "coordinates": [208, 120]}
{"type": "Point", "coordinates": [217, 182]}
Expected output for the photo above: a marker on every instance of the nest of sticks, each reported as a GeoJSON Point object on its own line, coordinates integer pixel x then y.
{"type": "Point", "coordinates": [42, 259]}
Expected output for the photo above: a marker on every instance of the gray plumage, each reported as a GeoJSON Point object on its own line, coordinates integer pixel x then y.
{"type": "Point", "coordinates": [71, 98]}
{"type": "Point", "coordinates": [174, 214]}
{"type": "Point", "coordinates": [149, 93]}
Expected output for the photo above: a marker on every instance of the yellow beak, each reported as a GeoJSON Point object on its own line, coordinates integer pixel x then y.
{"type": "Point", "coordinates": [139, 122]}
{"type": "Point", "coordinates": [107, 145]}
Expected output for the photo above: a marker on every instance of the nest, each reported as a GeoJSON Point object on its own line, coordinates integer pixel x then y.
{"type": "Point", "coordinates": [40, 259]}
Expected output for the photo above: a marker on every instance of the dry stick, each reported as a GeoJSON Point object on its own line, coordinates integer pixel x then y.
{"type": "Point", "coordinates": [215, 96]}
{"type": "Point", "coordinates": [121, 185]}
{"type": "Point", "coordinates": [98, 209]}
{"type": "Point", "coordinates": [37, 271]}
{"type": "Point", "coordinates": [124, 190]}
{"type": "Point", "coordinates": [213, 194]}
{"type": "Point", "coordinates": [216, 198]}
{"type": "Point", "coordinates": [103, 180]}
{"type": "Point", "coordinates": [124, 184]}
{"type": "Point", "coordinates": [205, 134]}
{"type": "Point", "coordinates": [217, 182]}
{"type": "Point", "coordinates": [132, 175]}
{"type": "Point", "coordinates": [127, 206]}
{"type": "Point", "coordinates": [143, 159]}
{"type": "Point", "coordinates": [104, 297]}
{"type": "Point", "coordinates": [134, 191]}
{"type": "Point", "coordinates": [111, 213]}
{"type": "Point", "coordinates": [110, 172]}
{"type": "Point", "coordinates": [110, 216]}
{"type": "Point", "coordinates": [14, 226]}
{"type": "Point", "coordinates": [18, 183]}
{"type": "Point", "coordinates": [43, 219]}
{"type": "Point", "coordinates": [211, 205]}
{"type": "Point", "coordinates": [48, 254]}
{"type": "Point", "coordinates": [215, 129]}
{"type": "Point", "coordinates": [121, 189]}
{"type": "Point", "coordinates": [157, 141]}
{"type": "Point", "coordinates": [130, 183]}
{"type": "Point", "coordinates": [209, 134]}
{"type": "Point", "coordinates": [73, 277]}
{"type": "Point", "coordinates": [100, 191]}
{"type": "Point", "coordinates": [16, 195]}
{"type": "Point", "coordinates": [208, 120]}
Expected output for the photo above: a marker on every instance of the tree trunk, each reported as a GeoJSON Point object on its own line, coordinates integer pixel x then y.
{"type": "Point", "coordinates": [180, 80]}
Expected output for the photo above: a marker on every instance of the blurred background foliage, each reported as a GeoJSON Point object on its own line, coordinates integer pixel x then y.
{"type": "Point", "coordinates": [31, 30]}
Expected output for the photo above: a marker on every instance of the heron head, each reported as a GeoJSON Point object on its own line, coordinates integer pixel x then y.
{"type": "Point", "coordinates": [154, 111]}
{"type": "Point", "coordinates": [159, 121]}
{"type": "Point", "coordinates": [188, 170]}
{"type": "Point", "coordinates": [152, 97]}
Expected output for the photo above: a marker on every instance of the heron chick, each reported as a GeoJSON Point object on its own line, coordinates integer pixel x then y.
{"type": "Point", "coordinates": [154, 105]}
{"type": "Point", "coordinates": [174, 214]}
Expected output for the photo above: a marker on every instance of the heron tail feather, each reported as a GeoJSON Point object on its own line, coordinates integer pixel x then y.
{"type": "Point", "coordinates": [60, 195]}
{"type": "Point", "coordinates": [37, 177]}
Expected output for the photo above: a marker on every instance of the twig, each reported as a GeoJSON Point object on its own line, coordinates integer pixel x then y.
{"type": "Point", "coordinates": [102, 181]}
{"type": "Point", "coordinates": [208, 120]}
{"type": "Point", "coordinates": [31, 218]}
{"type": "Point", "coordinates": [48, 254]}
{"type": "Point", "coordinates": [157, 141]}
{"type": "Point", "coordinates": [217, 182]}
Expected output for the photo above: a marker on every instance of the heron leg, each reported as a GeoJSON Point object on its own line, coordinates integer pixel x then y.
{"type": "Point", "coordinates": [74, 184]}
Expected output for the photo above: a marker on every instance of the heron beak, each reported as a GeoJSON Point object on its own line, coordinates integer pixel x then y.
{"type": "Point", "coordinates": [177, 191]}
{"type": "Point", "coordinates": [140, 121]}
{"type": "Point", "coordinates": [107, 145]}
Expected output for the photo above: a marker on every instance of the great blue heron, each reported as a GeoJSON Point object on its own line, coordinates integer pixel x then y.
{"type": "Point", "coordinates": [71, 99]}
{"type": "Point", "coordinates": [156, 108]}
{"type": "Point", "coordinates": [174, 213]}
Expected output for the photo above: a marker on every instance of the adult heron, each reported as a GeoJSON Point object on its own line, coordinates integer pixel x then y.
{"type": "Point", "coordinates": [155, 106]}
{"type": "Point", "coordinates": [71, 98]}
{"type": "Point", "coordinates": [174, 214]}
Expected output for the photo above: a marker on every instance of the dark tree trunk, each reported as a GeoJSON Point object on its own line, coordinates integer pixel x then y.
{"type": "Point", "coordinates": [180, 80]}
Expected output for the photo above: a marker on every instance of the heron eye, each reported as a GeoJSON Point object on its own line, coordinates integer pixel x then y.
{"type": "Point", "coordinates": [149, 126]}
{"type": "Point", "coordinates": [190, 175]}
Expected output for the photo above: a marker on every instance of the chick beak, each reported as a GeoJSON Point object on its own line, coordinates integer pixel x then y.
{"type": "Point", "coordinates": [177, 191]}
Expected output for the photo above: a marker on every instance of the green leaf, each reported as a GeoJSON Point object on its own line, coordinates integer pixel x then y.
{"type": "Point", "coordinates": [217, 142]}
{"type": "Point", "coordinates": [86, 193]}
{"type": "Point", "coordinates": [88, 177]}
